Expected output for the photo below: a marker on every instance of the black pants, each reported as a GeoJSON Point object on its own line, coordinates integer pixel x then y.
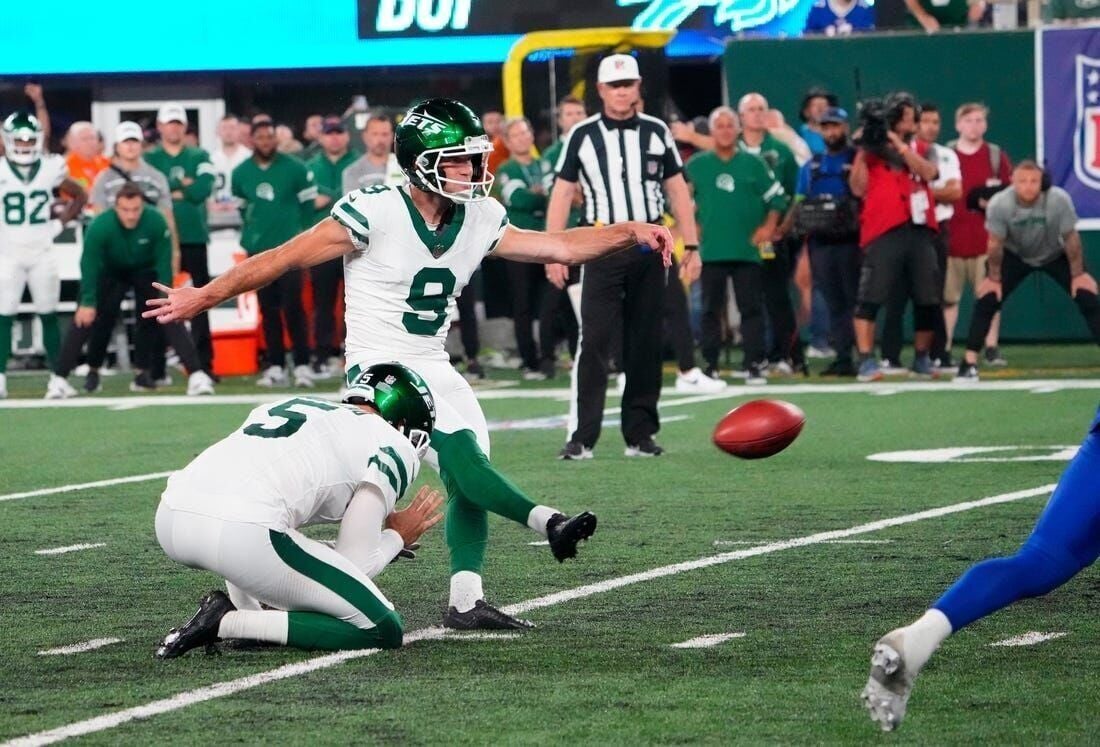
{"type": "Point", "coordinates": [325, 278]}
{"type": "Point", "coordinates": [557, 320]}
{"type": "Point", "coordinates": [467, 320]}
{"type": "Point", "coordinates": [627, 286]}
{"type": "Point", "coordinates": [835, 269]}
{"type": "Point", "coordinates": [525, 281]}
{"type": "Point", "coordinates": [113, 287]}
{"type": "Point", "coordinates": [193, 262]}
{"type": "Point", "coordinates": [895, 309]}
{"type": "Point", "coordinates": [677, 325]}
{"type": "Point", "coordinates": [283, 299]}
{"type": "Point", "coordinates": [748, 289]}
{"type": "Point", "coordinates": [777, 274]}
{"type": "Point", "coordinates": [1013, 272]}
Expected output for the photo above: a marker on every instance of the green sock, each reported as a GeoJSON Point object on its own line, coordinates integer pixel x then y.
{"type": "Point", "coordinates": [312, 630]}
{"type": "Point", "coordinates": [466, 529]}
{"type": "Point", "coordinates": [5, 341]}
{"type": "Point", "coordinates": [476, 479]}
{"type": "Point", "coordinates": [51, 337]}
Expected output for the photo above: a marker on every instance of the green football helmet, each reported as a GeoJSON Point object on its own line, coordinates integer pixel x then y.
{"type": "Point", "coordinates": [401, 398]}
{"type": "Point", "coordinates": [443, 128]}
{"type": "Point", "coordinates": [18, 130]}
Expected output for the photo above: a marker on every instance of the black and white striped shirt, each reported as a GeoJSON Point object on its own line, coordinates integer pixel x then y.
{"type": "Point", "coordinates": [621, 166]}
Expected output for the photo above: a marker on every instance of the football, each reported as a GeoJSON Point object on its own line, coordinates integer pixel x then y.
{"type": "Point", "coordinates": [758, 429]}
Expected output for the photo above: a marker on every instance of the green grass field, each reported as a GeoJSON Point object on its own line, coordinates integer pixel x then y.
{"type": "Point", "coordinates": [599, 668]}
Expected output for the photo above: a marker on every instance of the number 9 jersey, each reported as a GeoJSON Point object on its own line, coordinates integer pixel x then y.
{"type": "Point", "coordinates": [401, 281]}
{"type": "Point", "coordinates": [26, 193]}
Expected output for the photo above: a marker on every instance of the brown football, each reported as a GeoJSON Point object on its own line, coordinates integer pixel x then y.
{"type": "Point", "coordinates": [759, 428]}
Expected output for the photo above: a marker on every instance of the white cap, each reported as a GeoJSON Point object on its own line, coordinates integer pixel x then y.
{"type": "Point", "coordinates": [618, 67]}
{"type": "Point", "coordinates": [172, 112]}
{"type": "Point", "coordinates": [128, 131]}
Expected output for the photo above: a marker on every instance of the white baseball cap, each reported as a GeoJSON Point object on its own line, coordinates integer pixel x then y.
{"type": "Point", "coordinates": [128, 131]}
{"type": "Point", "coordinates": [618, 67]}
{"type": "Point", "coordinates": [172, 112]}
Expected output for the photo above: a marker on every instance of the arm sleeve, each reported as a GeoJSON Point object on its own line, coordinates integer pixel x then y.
{"type": "Point", "coordinates": [1005, 170]}
{"type": "Point", "coordinates": [949, 166]}
{"type": "Point", "coordinates": [568, 166]}
{"type": "Point", "coordinates": [349, 212]}
{"type": "Point", "coordinates": [203, 186]}
{"type": "Point", "coordinates": [498, 234]}
{"type": "Point", "coordinates": [1066, 215]}
{"type": "Point", "coordinates": [91, 264]}
{"type": "Point", "coordinates": [514, 193]}
{"type": "Point", "coordinates": [672, 163]}
{"type": "Point", "coordinates": [165, 201]}
{"type": "Point", "coordinates": [361, 538]}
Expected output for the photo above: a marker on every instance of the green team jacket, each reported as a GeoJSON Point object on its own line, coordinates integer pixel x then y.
{"type": "Point", "coordinates": [277, 201]}
{"type": "Point", "coordinates": [328, 176]}
{"type": "Point", "coordinates": [522, 191]}
{"type": "Point", "coordinates": [108, 246]}
{"type": "Point", "coordinates": [190, 212]}
{"type": "Point", "coordinates": [779, 158]}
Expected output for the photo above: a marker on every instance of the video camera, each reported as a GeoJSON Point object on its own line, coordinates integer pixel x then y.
{"type": "Point", "coordinates": [877, 117]}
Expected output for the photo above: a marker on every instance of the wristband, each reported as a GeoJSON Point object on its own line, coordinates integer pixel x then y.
{"type": "Point", "coordinates": [691, 247]}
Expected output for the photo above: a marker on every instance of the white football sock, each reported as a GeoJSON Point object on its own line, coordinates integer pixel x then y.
{"type": "Point", "coordinates": [266, 625]}
{"type": "Point", "coordinates": [465, 590]}
{"type": "Point", "coordinates": [539, 516]}
{"type": "Point", "coordinates": [923, 637]}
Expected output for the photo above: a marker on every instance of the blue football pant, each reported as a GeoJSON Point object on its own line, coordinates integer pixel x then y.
{"type": "Point", "coordinates": [1066, 540]}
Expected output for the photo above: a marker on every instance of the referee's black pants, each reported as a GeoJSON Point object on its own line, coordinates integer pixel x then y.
{"type": "Point", "coordinates": [631, 286]}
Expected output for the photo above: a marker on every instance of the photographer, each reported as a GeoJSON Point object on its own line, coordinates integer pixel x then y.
{"type": "Point", "coordinates": [897, 227]}
{"type": "Point", "coordinates": [828, 214]}
{"type": "Point", "coordinates": [1032, 226]}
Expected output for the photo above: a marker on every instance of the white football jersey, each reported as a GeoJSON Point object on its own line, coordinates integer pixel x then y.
{"type": "Point", "coordinates": [26, 193]}
{"type": "Point", "coordinates": [401, 282]}
{"type": "Point", "coordinates": [293, 463]}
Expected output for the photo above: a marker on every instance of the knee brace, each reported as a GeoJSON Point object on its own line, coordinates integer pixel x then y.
{"type": "Point", "coordinates": [867, 311]}
{"type": "Point", "coordinates": [924, 317]}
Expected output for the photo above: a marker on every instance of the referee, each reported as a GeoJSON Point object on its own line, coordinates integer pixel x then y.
{"type": "Point", "coordinates": [625, 162]}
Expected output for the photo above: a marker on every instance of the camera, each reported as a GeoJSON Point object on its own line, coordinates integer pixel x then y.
{"type": "Point", "coordinates": [877, 117]}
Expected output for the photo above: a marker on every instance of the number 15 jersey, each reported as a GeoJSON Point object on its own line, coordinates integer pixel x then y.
{"type": "Point", "coordinates": [401, 282]}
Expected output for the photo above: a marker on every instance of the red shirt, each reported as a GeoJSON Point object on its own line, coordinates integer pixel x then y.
{"type": "Point", "coordinates": [967, 236]}
{"type": "Point", "coordinates": [886, 204]}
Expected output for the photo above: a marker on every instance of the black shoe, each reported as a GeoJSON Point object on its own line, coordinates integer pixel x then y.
{"type": "Point", "coordinates": [143, 382]}
{"type": "Point", "coordinates": [575, 451]}
{"type": "Point", "coordinates": [483, 616]}
{"type": "Point", "coordinates": [840, 368]}
{"type": "Point", "coordinates": [549, 370]}
{"type": "Point", "coordinates": [993, 357]}
{"type": "Point", "coordinates": [647, 447]}
{"type": "Point", "coordinates": [968, 373]}
{"type": "Point", "coordinates": [564, 532]}
{"type": "Point", "coordinates": [91, 381]}
{"type": "Point", "coordinates": [945, 363]}
{"type": "Point", "coordinates": [474, 370]}
{"type": "Point", "coordinates": [200, 630]}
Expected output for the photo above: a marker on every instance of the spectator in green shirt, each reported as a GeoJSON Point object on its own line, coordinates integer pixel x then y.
{"type": "Point", "coordinates": [932, 15]}
{"type": "Point", "coordinates": [191, 178]}
{"type": "Point", "coordinates": [328, 168]}
{"type": "Point", "coordinates": [1070, 12]}
{"type": "Point", "coordinates": [127, 247]}
{"type": "Point", "coordinates": [276, 193]}
{"type": "Point", "coordinates": [521, 187]}
{"type": "Point", "coordinates": [739, 203]}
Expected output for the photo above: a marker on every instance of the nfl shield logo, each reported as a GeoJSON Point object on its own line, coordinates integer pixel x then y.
{"type": "Point", "coordinates": [1086, 137]}
{"type": "Point", "coordinates": [652, 166]}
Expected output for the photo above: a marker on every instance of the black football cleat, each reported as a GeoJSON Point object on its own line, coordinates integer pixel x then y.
{"type": "Point", "coordinates": [564, 532]}
{"type": "Point", "coordinates": [483, 616]}
{"type": "Point", "coordinates": [200, 630]}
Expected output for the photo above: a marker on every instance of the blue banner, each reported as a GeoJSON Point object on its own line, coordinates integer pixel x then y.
{"type": "Point", "coordinates": [1069, 115]}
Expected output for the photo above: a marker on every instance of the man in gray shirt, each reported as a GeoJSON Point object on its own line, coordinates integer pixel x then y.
{"type": "Point", "coordinates": [1029, 229]}
{"type": "Point", "coordinates": [377, 165]}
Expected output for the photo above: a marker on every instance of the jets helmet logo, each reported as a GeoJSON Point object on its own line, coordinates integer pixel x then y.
{"type": "Point", "coordinates": [426, 123]}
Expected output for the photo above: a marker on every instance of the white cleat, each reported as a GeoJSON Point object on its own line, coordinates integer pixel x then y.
{"type": "Point", "coordinates": [3, 386]}
{"type": "Point", "coordinates": [303, 377]}
{"type": "Point", "coordinates": [697, 382]}
{"type": "Point", "coordinates": [272, 376]}
{"type": "Point", "coordinates": [59, 388]}
{"type": "Point", "coordinates": [887, 691]}
{"type": "Point", "coordinates": [199, 383]}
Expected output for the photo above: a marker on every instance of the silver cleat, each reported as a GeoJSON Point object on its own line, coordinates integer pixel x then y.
{"type": "Point", "coordinates": [888, 687]}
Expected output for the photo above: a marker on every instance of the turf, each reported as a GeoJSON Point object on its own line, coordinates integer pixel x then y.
{"type": "Point", "coordinates": [597, 669]}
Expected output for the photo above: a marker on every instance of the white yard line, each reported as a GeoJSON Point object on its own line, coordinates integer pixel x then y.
{"type": "Point", "coordinates": [1029, 639]}
{"type": "Point", "coordinates": [221, 689]}
{"type": "Point", "coordinates": [482, 636]}
{"type": "Point", "coordinates": [728, 543]}
{"type": "Point", "coordinates": [707, 641]}
{"type": "Point", "coordinates": [70, 548]}
{"type": "Point", "coordinates": [79, 648]}
{"type": "Point", "coordinates": [85, 486]}
{"type": "Point", "coordinates": [735, 391]}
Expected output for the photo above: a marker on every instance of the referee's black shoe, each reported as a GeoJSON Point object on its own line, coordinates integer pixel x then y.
{"type": "Point", "coordinates": [200, 630]}
{"type": "Point", "coordinates": [565, 532]}
{"type": "Point", "coordinates": [647, 447]}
